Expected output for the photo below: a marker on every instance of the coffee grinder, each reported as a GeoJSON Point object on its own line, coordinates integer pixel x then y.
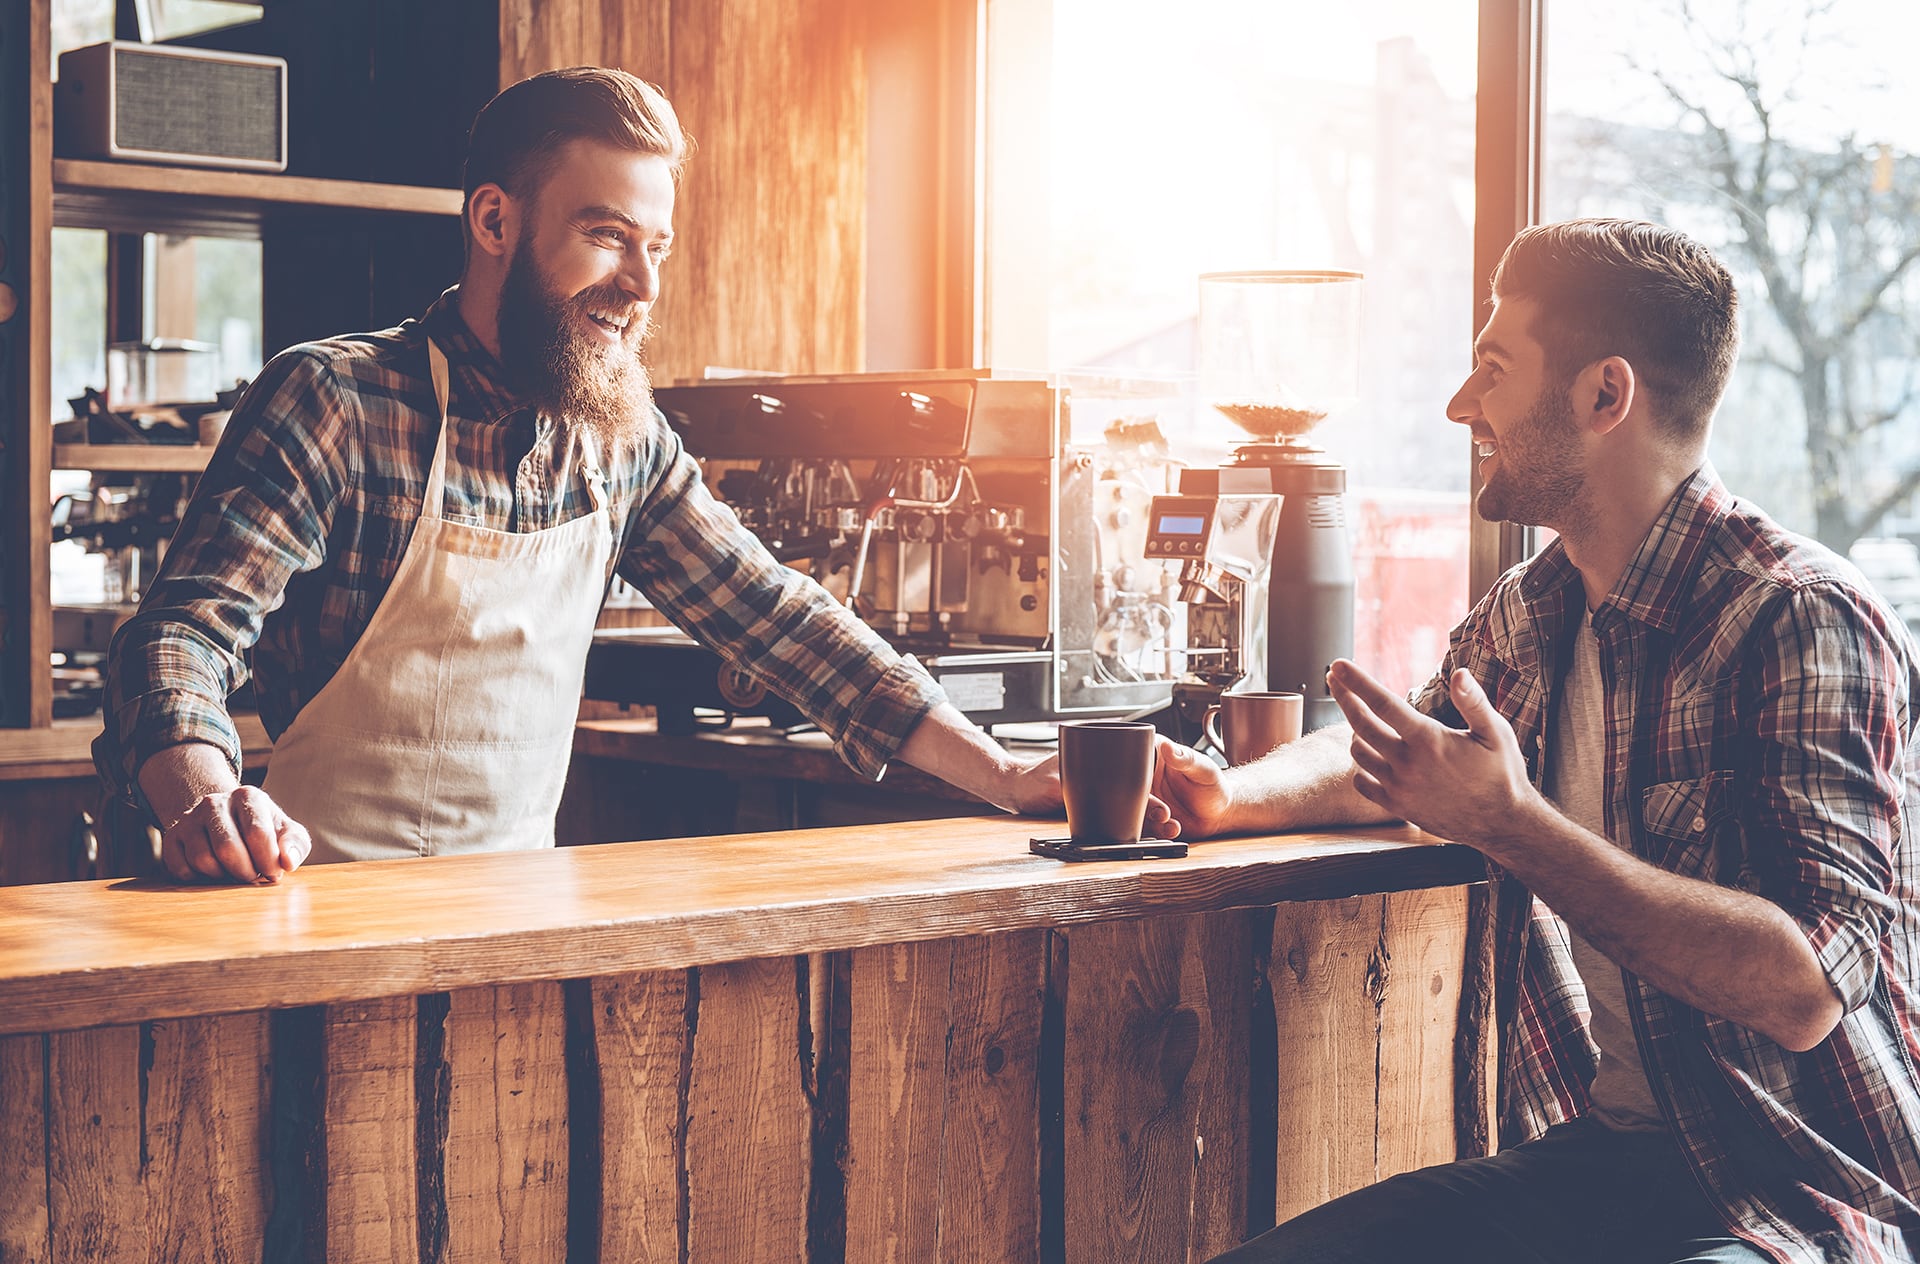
{"type": "Point", "coordinates": [1278, 354]}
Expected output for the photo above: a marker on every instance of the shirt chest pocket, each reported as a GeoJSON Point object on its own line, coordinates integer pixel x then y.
{"type": "Point", "coordinates": [1690, 827]}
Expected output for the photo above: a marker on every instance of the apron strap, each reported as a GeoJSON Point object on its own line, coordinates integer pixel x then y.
{"type": "Point", "coordinates": [432, 504]}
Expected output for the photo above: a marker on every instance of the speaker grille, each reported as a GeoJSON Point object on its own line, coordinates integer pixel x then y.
{"type": "Point", "coordinates": [189, 105]}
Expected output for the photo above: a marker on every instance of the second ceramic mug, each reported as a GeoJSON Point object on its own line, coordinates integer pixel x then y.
{"type": "Point", "coordinates": [1255, 723]}
{"type": "Point", "coordinates": [1106, 771]}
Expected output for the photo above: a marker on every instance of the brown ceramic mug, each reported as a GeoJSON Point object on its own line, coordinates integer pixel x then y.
{"type": "Point", "coordinates": [1106, 771]}
{"type": "Point", "coordinates": [1254, 723]}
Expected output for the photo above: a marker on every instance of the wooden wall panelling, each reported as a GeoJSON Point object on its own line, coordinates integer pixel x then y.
{"type": "Point", "coordinates": [96, 1205]}
{"type": "Point", "coordinates": [991, 1203]}
{"type": "Point", "coordinates": [23, 1150]}
{"type": "Point", "coordinates": [632, 34]}
{"type": "Point", "coordinates": [506, 1147]}
{"type": "Point", "coordinates": [943, 1100]}
{"type": "Point", "coordinates": [642, 1046]}
{"type": "Point", "coordinates": [1425, 934]}
{"type": "Point", "coordinates": [371, 1183]}
{"type": "Point", "coordinates": [206, 1165]}
{"type": "Point", "coordinates": [1322, 973]}
{"type": "Point", "coordinates": [748, 1123]}
{"type": "Point", "coordinates": [1156, 1087]}
{"type": "Point", "coordinates": [769, 268]}
{"type": "Point", "coordinates": [1359, 985]}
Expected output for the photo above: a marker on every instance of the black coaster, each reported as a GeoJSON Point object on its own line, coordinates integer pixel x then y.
{"type": "Point", "coordinates": [1145, 849]}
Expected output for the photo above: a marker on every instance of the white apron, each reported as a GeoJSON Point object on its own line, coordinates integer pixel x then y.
{"type": "Point", "coordinates": [450, 726]}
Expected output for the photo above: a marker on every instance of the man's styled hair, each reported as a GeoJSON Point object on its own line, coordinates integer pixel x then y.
{"type": "Point", "coordinates": [517, 136]}
{"type": "Point", "coordinates": [1653, 296]}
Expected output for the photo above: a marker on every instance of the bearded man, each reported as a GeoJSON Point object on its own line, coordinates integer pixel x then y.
{"type": "Point", "coordinates": [1686, 741]}
{"type": "Point", "coordinates": [413, 530]}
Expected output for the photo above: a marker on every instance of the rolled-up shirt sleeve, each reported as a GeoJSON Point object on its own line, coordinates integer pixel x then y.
{"type": "Point", "coordinates": [258, 515]}
{"type": "Point", "coordinates": [1830, 722]}
{"type": "Point", "coordinates": [713, 578]}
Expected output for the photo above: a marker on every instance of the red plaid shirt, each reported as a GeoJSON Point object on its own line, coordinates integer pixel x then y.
{"type": "Point", "coordinates": [1761, 735]}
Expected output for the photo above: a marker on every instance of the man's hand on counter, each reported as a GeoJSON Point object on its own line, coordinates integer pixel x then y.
{"type": "Point", "coordinates": [956, 750]}
{"type": "Point", "coordinates": [217, 829]}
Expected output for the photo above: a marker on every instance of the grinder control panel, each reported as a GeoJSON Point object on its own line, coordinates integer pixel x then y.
{"type": "Point", "coordinates": [1178, 526]}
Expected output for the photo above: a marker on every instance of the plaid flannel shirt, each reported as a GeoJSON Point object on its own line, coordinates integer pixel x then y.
{"type": "Point", "coordinates": [307, 506]}
{"type": "Point", "coordinates": [1760, 735]}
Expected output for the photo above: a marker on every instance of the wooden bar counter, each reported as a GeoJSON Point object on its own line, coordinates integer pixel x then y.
{"type": "Point", "coordinates": [887, 1043]}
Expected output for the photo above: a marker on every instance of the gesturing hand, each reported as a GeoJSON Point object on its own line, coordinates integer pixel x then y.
{"type": "Point", "coordinates": [1466, 785]}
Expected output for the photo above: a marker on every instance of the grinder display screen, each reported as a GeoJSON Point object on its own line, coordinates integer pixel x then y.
{"type": "Point", "coordinates": [1180, 524]}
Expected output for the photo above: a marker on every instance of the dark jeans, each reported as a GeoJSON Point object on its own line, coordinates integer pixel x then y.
{"type": "Point", "coordinates": [1581, 1194]}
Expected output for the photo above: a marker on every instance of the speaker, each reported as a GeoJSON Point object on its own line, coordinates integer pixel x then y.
{"type": "Point", "coordinates": [157, 103]}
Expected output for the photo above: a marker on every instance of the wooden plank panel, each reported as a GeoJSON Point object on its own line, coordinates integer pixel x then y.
{"type": "Point", "coordinates": [642, 1042]}
{"type": "Point", "coordinates": [506, 1166]}
{"type": "Point", "coordinates": [897, 1100]}
{"type": "Point", "coordinates": [206, 1138]}
{"type": "Point", "coordinates": [1425, 934]}
{"type": "Point", "coordinates": [747, 1117]}
{"type": "Point", "coordinates": [777, 95]}
{"type": "Point", "coordinates": [1150, 1011]}
{"type": "Point", "coordinates": [990, 1205]}
{"type": "Point", "coordinates": [372, 1189]}
{"type": "Point", "coordinates": [96, 1207]}
{"type": "Point", "coordinates": [630, 34]}
{"type": "Point", "coordinates": [23, 1150]}
{"type": "Point", "coordinates": [1322, 974]}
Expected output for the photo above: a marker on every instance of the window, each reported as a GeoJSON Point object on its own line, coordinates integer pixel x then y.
{"type": "Point", "coordinates": [1784, 134]}
{"type": "Point", "coordinates": [1225, 135]}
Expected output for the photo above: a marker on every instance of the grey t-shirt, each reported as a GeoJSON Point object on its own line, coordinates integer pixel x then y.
{"type": "Point", "coordinates": [1576, 781]}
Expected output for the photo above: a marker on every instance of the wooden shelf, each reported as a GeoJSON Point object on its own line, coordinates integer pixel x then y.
{"type": "Point", "coordinates": [142, 196]}
{"type": "Point", "coordinates": [138, 458]}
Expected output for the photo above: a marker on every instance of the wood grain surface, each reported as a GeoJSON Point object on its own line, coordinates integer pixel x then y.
{"type": "Point", "coordinates": [88, 953]}
{"type": "Point", "coordinates": [506, 1149]}
{"type": "Point", "coordinates": [774, 95]}
{"type": "Point", "coordinates": [205, 1128]}
{"type": "Point", "coordinates": [23, 1150]}
{"type": "Point", "coordinates": [371, 1195]}
{"type": "Point", "coordinates": [748, 1123]}
{"type": "Point", "coordinates": [1425, 934]}
{"type": "Point", "coordinates": [96, 1202]}
{"type": "Point", "coordinates": [1323, 975]}
{"type": "Point", "coordinates": [643, 1046]}
{"type": "Point", "coordinates": [943, 1100]}
{"type": "Point", "coordinates": [1155, 1088]}
{"type": "Point", "coordinates": [1077, 1094]}
{"type": "Point", "coordinates": [1366, 998]}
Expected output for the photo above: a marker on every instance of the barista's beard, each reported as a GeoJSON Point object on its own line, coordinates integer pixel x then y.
{"type": "Point", "coordinates": [565, 372]}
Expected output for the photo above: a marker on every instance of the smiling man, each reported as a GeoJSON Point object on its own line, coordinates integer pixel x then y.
{"type": "Point", "coordinates": [413, 531]}
{"type": "Point", "coordinates": [1686, 741]}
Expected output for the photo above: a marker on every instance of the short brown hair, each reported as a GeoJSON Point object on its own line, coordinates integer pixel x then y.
{"type": "Point", "coordinates": [517, 136]}
{"type": "Point", "coordinates": [1648, 294]}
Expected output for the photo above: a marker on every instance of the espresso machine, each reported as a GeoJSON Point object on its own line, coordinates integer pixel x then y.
{"type": "Point", "coordinates": [951, 513]}
{"type": "Point", "coordinates": [1278, 353]}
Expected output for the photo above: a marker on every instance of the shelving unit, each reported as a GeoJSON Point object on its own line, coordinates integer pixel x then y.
{"type": "Point", "coordinates": [209, 202]}
{"type": "Point", "coordinates": [134, 458]}
{"type": "Point", "coordinates": [337, 254]}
